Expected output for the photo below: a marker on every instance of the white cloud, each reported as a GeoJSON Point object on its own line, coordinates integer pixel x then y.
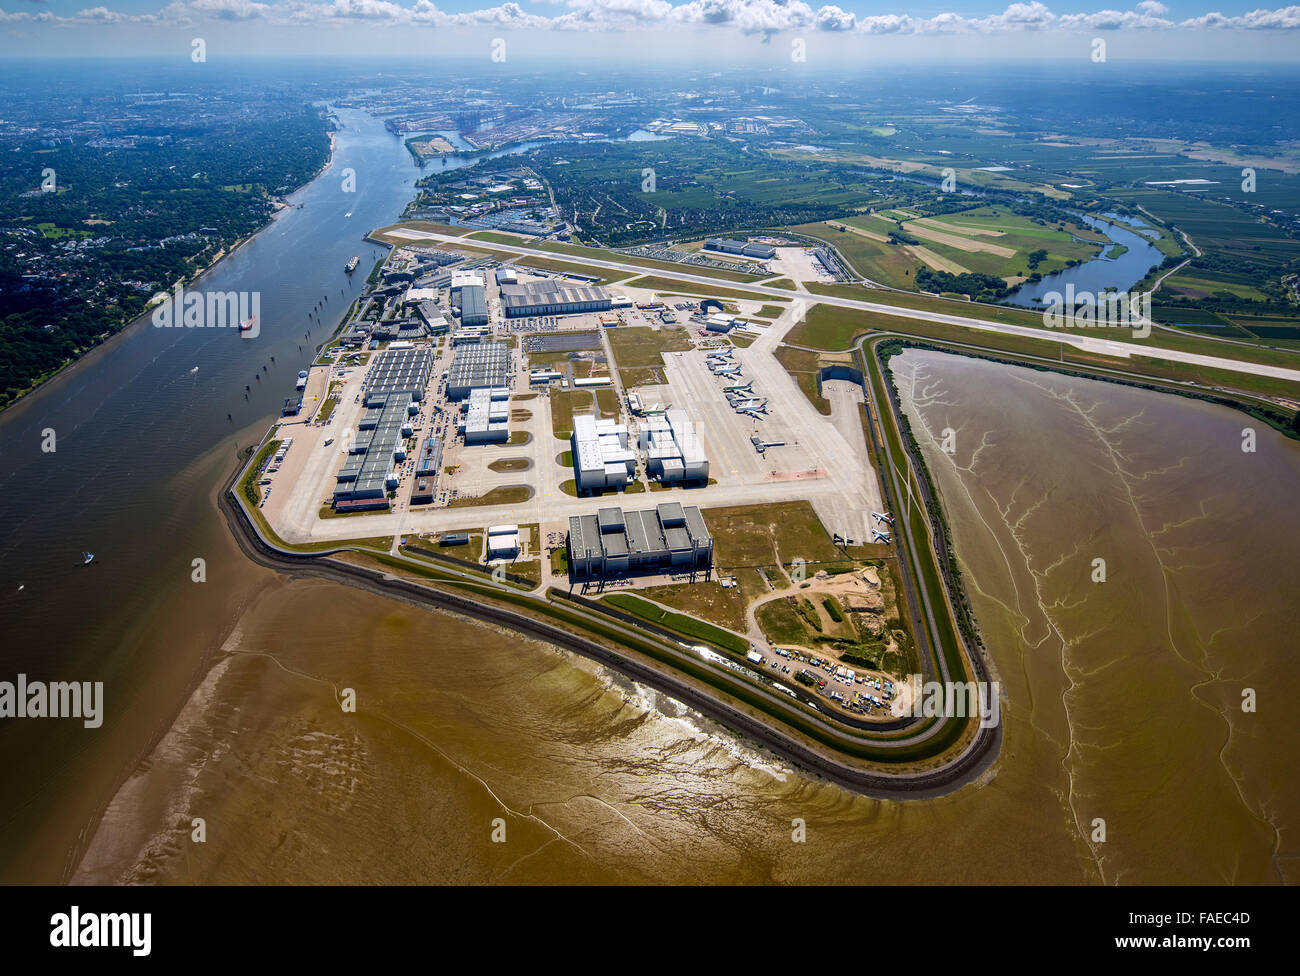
{"type": "Point", "coordinates": [230, 9]}
{"type": "Point", "coordinates": [832, 18]}
{"type": "Point", "coordinates": [764, 17]}
{"type": "Point", "coordinates": [1285, 18]}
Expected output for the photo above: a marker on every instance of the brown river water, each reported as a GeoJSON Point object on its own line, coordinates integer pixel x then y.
{"type": "Point", "coordinates": [1123, 698]}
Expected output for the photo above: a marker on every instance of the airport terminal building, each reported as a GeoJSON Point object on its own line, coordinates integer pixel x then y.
{"type": "Point", "coordinates": [613, 543]}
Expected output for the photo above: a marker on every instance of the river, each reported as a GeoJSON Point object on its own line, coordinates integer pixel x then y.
{"type": "Point", "coordinates": [1102, 273]}
{"type": "Point", "coordinates": [140, 440]}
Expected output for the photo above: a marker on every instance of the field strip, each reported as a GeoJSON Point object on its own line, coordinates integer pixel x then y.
{"type": "Point", "coordinates": [960, 229]}
{"type": "Point", "coordinates": [869, 235]}
{"type": "Point", "coordinates": [960, 243]}
{"type": "Point", "coordinates": [935, 261]}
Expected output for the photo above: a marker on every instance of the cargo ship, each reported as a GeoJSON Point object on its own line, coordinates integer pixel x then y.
{"type": "Point", "coordinates": [352, 265]}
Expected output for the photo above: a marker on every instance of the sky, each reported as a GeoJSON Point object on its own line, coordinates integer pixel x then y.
{"type": "Point", "coordinates": [1143, 29]}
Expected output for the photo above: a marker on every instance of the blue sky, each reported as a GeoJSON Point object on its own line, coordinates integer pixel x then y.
{"type": "Point", "coordinates": [1138, 29]}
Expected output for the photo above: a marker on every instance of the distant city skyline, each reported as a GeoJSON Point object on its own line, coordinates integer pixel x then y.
{"type": "Point", "coordinates": [1191, 29]}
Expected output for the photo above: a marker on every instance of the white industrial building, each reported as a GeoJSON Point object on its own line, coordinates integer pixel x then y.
{"type": "Point", "coordinates": [414, 296]}
{"type": "Point", "coordinates": [674, 451]}
{"type": "Point", "coordinates": [459, 279]}
{"type": "Point", "coordinates": [485, 416]}
{"type": "Point", "coordinates": [601, 455]}
{"type": "Point", "coordinates": [502, 541]}
{"type": "Point", "coordinates": [719, 322]}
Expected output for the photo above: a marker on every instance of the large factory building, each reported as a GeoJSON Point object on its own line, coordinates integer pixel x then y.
{"type": "Point", "coordinates": [668, 538]}
{"type": "Point", "coordinates": [764, 251]}
{"type": "Point", "coordinates": [674, 451]}
{"type": "Point", "coordinates": [550, 297]}
{"type": "Point", "coordinates": [476, 365]}
{"type": "Point", "coordinates": [601, 456]}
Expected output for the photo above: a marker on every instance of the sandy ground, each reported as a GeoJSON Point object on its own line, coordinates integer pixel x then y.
{"type": "Point", "coordinates": [961, 243]}
{"type": "Point", "coordinates": [935, 261]}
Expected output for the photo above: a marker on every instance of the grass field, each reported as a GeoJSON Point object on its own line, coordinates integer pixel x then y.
{"type": "Point", "coordinates": [643, 346]}
{"type": "Point", "coordinates": [564, 404]}
{"type": "Point", "coordinates": [505, 495]}
{"type": "Point", "coordinates": [988, 240]}
{"type": "Point", "coordinates": [1201, 285]}
{"type": "Point", "coordinates": [804, 366]}
{"type": "Point", "coordinates": [509, 464]}
{"type": "Point", "coordinates": [679, 622]}
{"type": "Point", "coordinates": [605, 275]}
{"type": "Point", "coordinates": [670, 286]}
{"type": "Point", "coordinates": [765, 535]}
{"type": "Point", "coordinates": [641, 376]}
{"type": "Point", "coordinates": [578, 250]}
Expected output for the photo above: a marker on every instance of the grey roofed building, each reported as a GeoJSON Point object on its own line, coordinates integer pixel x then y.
{"type": "Point", "coordinates": [473, 305]}
{"type": "Point", "coordinates": [550, 297]}
{"type": "Point", "coordinates": [740, 247]}
{"type": "Point", "coordinates": [611, 543]}
{"type": "Point", "coordinates": [476, 365]}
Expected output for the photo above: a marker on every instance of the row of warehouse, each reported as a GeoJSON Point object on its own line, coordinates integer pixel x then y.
{"type": "Point", "coordinates": [394, 388]}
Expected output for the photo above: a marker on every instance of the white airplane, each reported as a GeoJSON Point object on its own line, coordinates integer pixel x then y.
{"type": "Point", "coordinates": [880, 537]}
{"type": "Point", "coordinates": [883, 517]}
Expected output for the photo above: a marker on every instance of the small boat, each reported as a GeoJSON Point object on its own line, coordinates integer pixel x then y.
{"type": "Point", "coordinates": [87, 558]}
{"type": "Point", "coordinates": [194, 370]}
{"type": "Point", "coordinates": [348, 214]}
{"type": "Point", "coordinates": [247, 324]}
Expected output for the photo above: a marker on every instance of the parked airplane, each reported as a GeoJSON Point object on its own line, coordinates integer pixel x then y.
{"type": "Point", "coordinates": [883, 517]}
{"type": "Point", "coordinates": [880, 537]}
